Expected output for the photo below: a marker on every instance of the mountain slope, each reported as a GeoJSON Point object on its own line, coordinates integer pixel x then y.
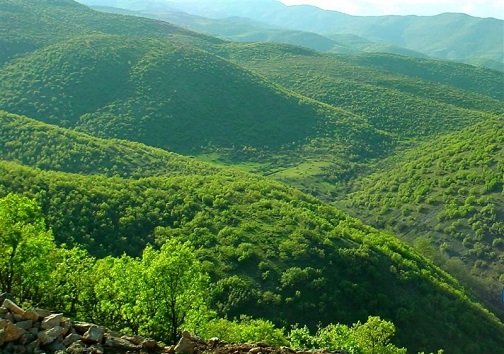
{"type": "Point", "coordinates": [446, 36]}
{"type": "Point", "coordinates": [272, 251]}
{"type": "Point", "coordinates": [49, 147]}
{"type": "Point", "coordinates": [118, 87]}
{"type": "Point", "coordinates": [447, 193]}
{"type": "Point", "coordinates": [28, 25]}
{"type": "Point", "coordinates": [240, 29]}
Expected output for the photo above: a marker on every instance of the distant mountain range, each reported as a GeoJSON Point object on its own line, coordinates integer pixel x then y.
{"type": "Point", "coordinates": [449, 36]}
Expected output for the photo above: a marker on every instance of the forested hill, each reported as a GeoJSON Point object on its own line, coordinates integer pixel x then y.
{"type": "Point", "coordinates": [28, 25]}
{"type": "Point", "coordinates": [446, 196]}
{"type": "Point", "coordinates": [446, 36]}
{"type": "Point", "coordinates": [49, 147]}
{"type": "Point", "coordinates": [272, 251]}
{"type": "Point", "coordinates": [72, 78]}
{"type": "Point", "coordinates": [330, 116]}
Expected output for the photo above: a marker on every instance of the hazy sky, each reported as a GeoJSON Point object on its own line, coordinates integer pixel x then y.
{"type": "Point", "coordinates": [479, 8]}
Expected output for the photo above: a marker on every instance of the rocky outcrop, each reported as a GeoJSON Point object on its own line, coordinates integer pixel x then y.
{"type": "Point", "coordinates": [39, 331]}
{"type": "Point", "coordinates": [36, 331]}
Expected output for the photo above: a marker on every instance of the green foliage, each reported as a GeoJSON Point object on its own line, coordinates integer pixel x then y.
{"type": "Point", "coordinates": [245, 330]}
{"type": "Point", "coordinates": [163, 291]}
{"type": "Point", "coordinates": [272, 252]}
{"type": "Point", "coordinates": [448, 192]}
{"type": "Point", "coordinates": [51, 148]}
{"type": "Point", "coordinates": [25, 246]}
{"type": "Point", "coordinates": [373, 336]}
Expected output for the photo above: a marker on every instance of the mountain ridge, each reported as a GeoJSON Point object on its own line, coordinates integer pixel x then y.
{"type": "Point", "coordinates": [476, 39]}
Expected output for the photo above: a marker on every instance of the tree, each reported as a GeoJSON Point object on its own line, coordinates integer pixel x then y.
{"type": "Point", "coordinates": [175, 289]}
{"type": "Point", "coordinates": [374, 336]}
{"type": "Point", "coordinates": [71, 280]}
{"type": "Point", "coordinates": [25, 246]}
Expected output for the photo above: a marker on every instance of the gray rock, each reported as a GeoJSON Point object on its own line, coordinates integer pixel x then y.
{"type": "Point", "coordinates": [27, 338]}
{"type": "Point", "coordinates": [49, 335]}
{"type": "Point", "coordinates": [82, 327]}
{"type": "Point", "coordinates": [119, 343]}
{"type": "Point", "coordinates": [56, 346]}
{"type": "Point", "coordinates": [26, 325]}
{"type": "Point", "coordinates": [93, 335]}
{"type": "Point", "coordinates": [256, 350]}
{"type": "Point", "coordinates": [17, 317]}
{"type": "Point", "coordinates": [137, 340]}
{"type": "Point", "coordinates": [51, 321]}
{"type": "Point", "coordinates": [19, 349]}
{"type": "Point", "coordinates": [76, 348]}
{"type": "Point", "coordinates": [96, 349]}
{"type": "Point", "coordinates": [71, 339]}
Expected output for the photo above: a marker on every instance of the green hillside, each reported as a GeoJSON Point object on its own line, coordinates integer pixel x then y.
{"type": "Point", "coordinates": [49, 147]}
{"type": "Point", "coordinates": [29, 25]}
{"type": "Point", "coordinates": [272, 251]}
{"type": "Point", "coordinates": [446, 36]}
{"type": "Point", "coordinates": [464, 77]}
{"type": "Point", "coordinates": [446, 197]}
{"type": "Point", "coordinates": [316, 121]}
{"type": "Point", "coordinates": [118, 87]}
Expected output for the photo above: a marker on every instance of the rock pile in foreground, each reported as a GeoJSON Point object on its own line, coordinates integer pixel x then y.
{"type": "Point", "coordinates": [35, 331]}
{"type": "Point", "coordinates": [40, 331]}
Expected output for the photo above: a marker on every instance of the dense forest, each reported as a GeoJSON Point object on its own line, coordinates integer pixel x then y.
{"type": "Point", "coordinates": [304, 198]}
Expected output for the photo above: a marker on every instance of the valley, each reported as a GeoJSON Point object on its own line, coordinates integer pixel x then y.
{"type": "Point", "coordinates": [306, 187]}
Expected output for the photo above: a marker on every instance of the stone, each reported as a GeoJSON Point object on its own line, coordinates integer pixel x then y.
{"type": "Point", "coordinates": [51, 321]}
{"type": "Point", "coordinates": [42, 313]}
{"type": "Point", "coordinates": [150, 345]}
{"type": "Point", "coordinates": [32, 347]}
{"type": "Point", "coordinates": [49, 335]}
{"type": "Point", "coordinates": [67, 325]}
{"type": "Point", "coordinates": [56, 346]}
{"type": "Point", "coordinates": [170, 349]}
{"type": "Point", "coordinates": [26, 325]}
{"type": "Point", "coordinates": [119, 343]}
{"type": "Point", "coordinates": [82, 327]}
{"type": "Point", "coordinates": [17, 318]}
{"type": "Point", "coordinates": [77, 348]}
{"type": "Point", "coordinates": [31, 315]}
{"type": "Point", "coordinates": [137, 340]}
{"type": "Point", "coordinates": [12, 307]}
{"type": "Point", "coordinates": [71, 339]}
{"type": "Point", "coordinates": [255, 350]}
{"type": "Point", "coordinates": [9, 332]}
{"type": "Point", "coordinates": [96, 349]}
{"type": "Point", "coordinates": [93, 335]}
{"type": "Point", "coordinates": [9, 317]}
{"type": "Point", "coordinates": [185, 345]}
{"type": "Point", "coordinates": [27, 338]}
{"type": "Point", "coordinates": [19, 349]}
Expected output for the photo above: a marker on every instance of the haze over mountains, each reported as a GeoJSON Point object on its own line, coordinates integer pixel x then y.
{"type": "Point", "coordinates": [109, 121]}
{"type": "Point", "coordinates": [446, 36]}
